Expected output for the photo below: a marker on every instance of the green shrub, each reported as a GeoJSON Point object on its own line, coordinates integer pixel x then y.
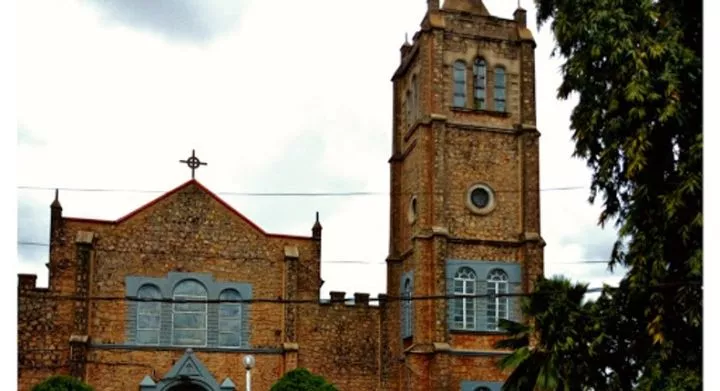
{"type": "Point", "coordinates": [302, 380]}
{"type": "Point", "coordinates": [62, 383]}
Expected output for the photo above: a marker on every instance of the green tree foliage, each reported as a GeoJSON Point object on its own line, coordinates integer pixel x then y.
{"type": "Point", "coordinates": [62, 383]}
{"type": "Point", "coordinates": [636, 68]}
{"type": "Point", "coordinates": [302, 380]}
{"type": "Point", "coordinates": [558, 360]}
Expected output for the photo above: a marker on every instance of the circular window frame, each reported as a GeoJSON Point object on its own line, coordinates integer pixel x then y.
{"type": "Point", "coordinates": [491, 202]}
{"type": "Point", "coordinates": [412, 210]}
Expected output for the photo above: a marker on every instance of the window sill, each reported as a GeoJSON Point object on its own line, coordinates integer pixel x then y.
{"type": "Point", "coordinates": [500, 114]}
{"type": "Point", "coordinates": [183, 348]}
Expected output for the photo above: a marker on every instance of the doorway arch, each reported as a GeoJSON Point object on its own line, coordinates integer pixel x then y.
{"type": "Point", "coordinates": [187, 386]}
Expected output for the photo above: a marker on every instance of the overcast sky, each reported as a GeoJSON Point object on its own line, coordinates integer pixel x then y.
{"type": "Point", "coordinates": [277, 96]}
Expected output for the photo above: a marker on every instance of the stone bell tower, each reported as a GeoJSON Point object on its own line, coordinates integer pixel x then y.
{"type": "Point", "coordinates": [465, 201]}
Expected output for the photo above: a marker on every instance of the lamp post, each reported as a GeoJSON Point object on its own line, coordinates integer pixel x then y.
{"type": "Point", "coordinates": [249, 362]}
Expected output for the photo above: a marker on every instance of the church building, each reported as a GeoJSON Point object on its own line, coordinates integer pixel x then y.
{"type": "Point", "coordinates": [174, 295]}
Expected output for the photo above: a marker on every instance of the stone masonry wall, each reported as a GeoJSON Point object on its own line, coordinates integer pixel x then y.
{"type": "Point", "coordinates": [43, 331]}
{"type": "Point", "coordinates": [342, 342]}
{"type": "Point", "coordinates": [185, 231]}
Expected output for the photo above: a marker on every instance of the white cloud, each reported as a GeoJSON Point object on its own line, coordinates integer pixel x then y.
{"type": "Point", "coordinates": [293, 96]}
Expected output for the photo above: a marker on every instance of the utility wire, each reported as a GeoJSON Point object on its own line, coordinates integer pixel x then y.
{"type": "Point", "coordinates": [325, 301]}
{"type": "Point", "coordinates": [40, 244]}
{"type": "Point", "coordinates": [285, 194]}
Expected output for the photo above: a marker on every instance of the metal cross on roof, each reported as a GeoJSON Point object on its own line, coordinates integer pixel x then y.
{"type": "Point", "coordinates": [193, 163]}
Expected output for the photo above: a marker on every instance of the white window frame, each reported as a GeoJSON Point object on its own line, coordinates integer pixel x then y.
{"type": "Point", "coordinates": [468, 280]}
{"type": "Point", "coordinates": [497, 283]}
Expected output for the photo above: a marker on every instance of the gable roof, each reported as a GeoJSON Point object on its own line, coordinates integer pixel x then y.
{"type": "Point", "coordinates": [191, 182]}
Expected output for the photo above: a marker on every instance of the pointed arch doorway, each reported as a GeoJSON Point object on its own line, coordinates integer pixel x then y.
{"type": "Point", "coordinates": [188, 387]}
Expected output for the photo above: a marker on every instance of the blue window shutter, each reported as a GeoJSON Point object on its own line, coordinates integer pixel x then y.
{"type": "Point", "coordinates": [212, 326]}
{"type": "Point", "coordinates": [246, 314]}
{"type": "Point", "coordinates": [166, 325]}
{"type": "Point", "coordinates": [131, 322]}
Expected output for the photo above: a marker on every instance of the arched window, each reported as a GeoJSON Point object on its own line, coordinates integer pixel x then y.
{"type": "Point", "coordinates": [499, 89]}
{"type": "Point", "coordinates": [407, 308]}
{"type": "Point", "coordinates": [189, 319]}
{"type": "Point", "coordinates": [459, 90]}
{"type": "Point", "coordinates": [464, 306]}
{"type": "Point", "coordinates": [415, 97]}
{"type": "Point", "coordinates": [148, 316]}
{"type": "Point", "coordinates": [230, 319]}
{"type": "Point", "coordinates": [480, 76]}
{"type": "Point", "coordinates": [497, 307]}
{"type": "Point", "coordinates": [408, 108]}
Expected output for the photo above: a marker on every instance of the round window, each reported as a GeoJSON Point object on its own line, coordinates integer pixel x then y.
{"type": "Point", "coordinates": [480, 199]}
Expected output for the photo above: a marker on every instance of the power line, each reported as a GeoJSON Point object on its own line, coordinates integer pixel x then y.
{"type": "Point", "coordinates": [284, 194]}
{"type": "Point", "coordinates": [40, 244]}
{"type": "Point", "coordinates": [385, 298]}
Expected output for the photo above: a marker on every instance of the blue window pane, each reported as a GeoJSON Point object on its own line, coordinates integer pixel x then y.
{"type": "Point", "coordinates": [459, 84]}
{"type": "Point", "coordinates": [229, 325]}
{"type": "Point", "coordinates": [148, 322]}
{"type": "Point", "coordinates": [188, 307]}
{"type": "Point", "coordinates": [229, 339]}
{"type": "Point", "coordinates": [189, 320]}
{"type": "Point", "coordinates": [189, 337]}
{"type": "Point", "coordinates": [230, 294]}
{"type": "Point", "coordinates": [499, 77]}
{"type": "Point", "coordinates": [149, 292]}
{"type": "Point", "coordinates": [469, 288]}
{"type": "Point", "coordinates": [190, 288]}
{"type": "Point", "coordinates": [148, 337]}
{"type": "Point", "coordinates": [231, 310]}
{"type": "Point", "coordinates": [500, 106]}
{"type": "Point", "coordinates": [148, 308]}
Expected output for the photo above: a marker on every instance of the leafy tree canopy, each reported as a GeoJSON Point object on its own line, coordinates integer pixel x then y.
{"type": "Point", "coordinates": [635, 67]}
{"type": "Point", "coordinates": [302, 380]}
